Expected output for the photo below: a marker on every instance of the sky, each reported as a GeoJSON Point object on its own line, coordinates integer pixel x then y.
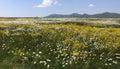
{"type": "Point", "coordinates": [41, 8]}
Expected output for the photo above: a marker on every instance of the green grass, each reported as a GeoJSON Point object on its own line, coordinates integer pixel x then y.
{"type": "Point", "coordinates": [59, 46]}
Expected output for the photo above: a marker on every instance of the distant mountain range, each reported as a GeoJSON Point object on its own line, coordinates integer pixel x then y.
{"type": "Point", "coordinates": [100, 15]}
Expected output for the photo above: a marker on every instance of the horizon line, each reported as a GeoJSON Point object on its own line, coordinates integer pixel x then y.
{"type": "Point", "coordinates": [56, 13]}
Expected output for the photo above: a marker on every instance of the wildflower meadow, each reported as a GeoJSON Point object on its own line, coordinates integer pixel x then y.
{"type": "Point", "coordinates": [59, 46]}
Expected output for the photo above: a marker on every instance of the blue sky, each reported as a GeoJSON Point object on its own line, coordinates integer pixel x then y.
{"type": "Point", "coordinates": [26, 8]}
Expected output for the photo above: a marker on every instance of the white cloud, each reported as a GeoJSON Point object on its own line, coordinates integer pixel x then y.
{"type": "Point", "coordinates": [91, 5]}
{"type": "Point", "coordinates": [47, 3]}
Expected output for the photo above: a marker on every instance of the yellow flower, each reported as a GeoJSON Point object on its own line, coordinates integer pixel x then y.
{"type": "Point", "coordinates": [78, 45]}
{"type": "Point", "coordinates": [75, 53]}
{"type": "Point", "coordinates": [4, 32]}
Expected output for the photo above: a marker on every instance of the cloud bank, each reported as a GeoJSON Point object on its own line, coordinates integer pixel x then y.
{"type": "Point", "coordinates": [47, 3]}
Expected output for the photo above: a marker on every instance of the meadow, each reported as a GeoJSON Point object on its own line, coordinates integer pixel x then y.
{"type": "Point", "coordinates": [64, 43]}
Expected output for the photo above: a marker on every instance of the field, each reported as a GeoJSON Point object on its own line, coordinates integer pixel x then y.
{"type": "Point", "coordinates": [60, 43]}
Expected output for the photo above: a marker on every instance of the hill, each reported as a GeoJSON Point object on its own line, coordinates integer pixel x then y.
{"type": "Point", "coordinates": [100, 15]}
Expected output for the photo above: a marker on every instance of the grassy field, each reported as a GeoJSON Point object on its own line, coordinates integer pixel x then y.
{"type": "Point", "coordinates": [71, 43]}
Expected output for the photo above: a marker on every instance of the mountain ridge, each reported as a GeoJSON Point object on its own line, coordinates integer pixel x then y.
{"type": "Point", "coordinates": [99, 15]}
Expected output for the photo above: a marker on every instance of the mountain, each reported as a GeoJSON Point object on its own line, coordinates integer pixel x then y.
{"type": "Point", "coordinates": [100, 15]}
